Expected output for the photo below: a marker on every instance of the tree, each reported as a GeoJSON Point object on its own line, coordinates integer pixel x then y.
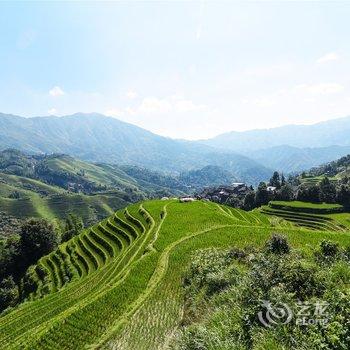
{"type": "Point", "coordinates": [261, 195]}
{"type": "Point", "coordinates": [37, 238]}
{"type": "Point", "coordinates": [249, 201]}
{"type": "Point", "coordinates": [8, 293]}
{"type": "Point", "coordinates": [328, 191]}
{"type": "Point", "coordinates": [285, 193]}
{"type": "Point", "coordinates": [73, 225]}
{"type": "Point", "coordinates": [275, 180]}
{"type": "Point", "coordinates": [308, 193]}
{"type": "Point", "coordinates": [234, 202]}
{"type": "Point", "coordinates": [283, 180]}
{"type": "Point", "coordinates": [314, 194]}
{"type": "Point", "coordinates": [9, 255]}
{"type": "Point", "coordinates": [343, 196]}
{"type": "Point", "coordinates": [293, 180]}
{"type": "Point", "coordinates": [345, 180]}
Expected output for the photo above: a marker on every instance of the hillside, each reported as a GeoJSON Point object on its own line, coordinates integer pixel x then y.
{"type": "Point", "coordinates": [55, 185]}
{"type": "Point", "coordinates": [119, 283]}
{"type": "Point", "coordinates": [97, 138]}
{"type": "Point", "coordinates": [208, 176]}
{"type": "Point", "coordinates": [337, 171]}
{"type": "Point", "coordinates": [337, 168]}
{"type": "Point", "coordinates": [23, 198]}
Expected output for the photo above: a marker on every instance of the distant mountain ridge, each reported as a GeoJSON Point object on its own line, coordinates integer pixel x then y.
{"type": "Point", "coordinates": [95, 137]}
{"type": "Point", "coordinates": [249, 156]}
{"type": "Point", "coordinates": [291, 148]}
{"type": "Point", "coordinates": [323, 134]}
{"type": "Point", "coordinates": [291, 159]}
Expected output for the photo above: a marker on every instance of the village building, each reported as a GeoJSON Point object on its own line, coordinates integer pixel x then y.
{"type": "Point", "coordinates": [271, 189]}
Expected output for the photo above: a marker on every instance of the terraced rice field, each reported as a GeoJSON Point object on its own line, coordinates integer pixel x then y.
{"type": "Point", "coordinates": [118, 284]}
{"type": "Point", "coordinates": [314, 180]}
{"type": "Point", "coordinates": [313, 216]}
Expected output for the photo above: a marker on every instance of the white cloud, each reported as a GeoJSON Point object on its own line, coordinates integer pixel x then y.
{"type": "Point", "coordinates": [320, 89]}
{"type": "Point", "coordinates": [52, 111]}
{"type": "Point", "coordinates": [331, 56]}
{"type": "Point", "coordinates": [131, 94]}
{"type": "Point", "coordinates": [56, 91]}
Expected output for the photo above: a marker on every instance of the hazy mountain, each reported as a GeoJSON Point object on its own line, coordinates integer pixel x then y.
{"type": "Point", "coordinates": [98, 138]}
{"type": "Point", "coordinates": [324, 134]}
{"type": "Point", "coordinates": [210, 175]}
{"type": "Point", "coordinates": [293, 159]}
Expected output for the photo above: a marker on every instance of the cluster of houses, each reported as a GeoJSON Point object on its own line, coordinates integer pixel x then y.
{"type": "Point", "coordinates": [222, 194]}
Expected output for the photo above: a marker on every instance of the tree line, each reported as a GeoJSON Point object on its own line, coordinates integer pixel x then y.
{"type": "Point", "coordinates": [292, 189]}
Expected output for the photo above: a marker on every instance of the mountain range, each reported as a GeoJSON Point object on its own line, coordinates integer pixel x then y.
{"type": "Point", "coordinates": [248, 156]}
{"type": "Point", "coordinates": [291, 159]}
{"type": "Point", "coordinates": [323, 134]}
{"type": "Point", "coordinates": [97, 138]}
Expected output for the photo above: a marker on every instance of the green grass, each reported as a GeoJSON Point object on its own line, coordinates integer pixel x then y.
{"type": "Point", "coordinates": [118, 284]}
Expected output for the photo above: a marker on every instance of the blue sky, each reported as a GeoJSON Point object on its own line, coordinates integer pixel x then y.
{"type": "Point", "coordinates": [181, 69]}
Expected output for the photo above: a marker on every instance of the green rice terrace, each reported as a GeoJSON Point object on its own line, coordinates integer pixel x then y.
{"type": "Point", "coordinates": [311, 215]}
{"type": "Point", "coordinates": [314, 180]}
{"type": "Point", "coordinates": [118, 285]}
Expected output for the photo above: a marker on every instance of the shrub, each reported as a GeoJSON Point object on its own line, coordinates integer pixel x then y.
{"type": "Point", "coordinates": [280, 279]}
{"type": "Point", "coordinates": [277, 244]}
{"type": "Point", "coordinates": [328, 252]}
{"type": "Point", "coordinates": [302, 279]}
